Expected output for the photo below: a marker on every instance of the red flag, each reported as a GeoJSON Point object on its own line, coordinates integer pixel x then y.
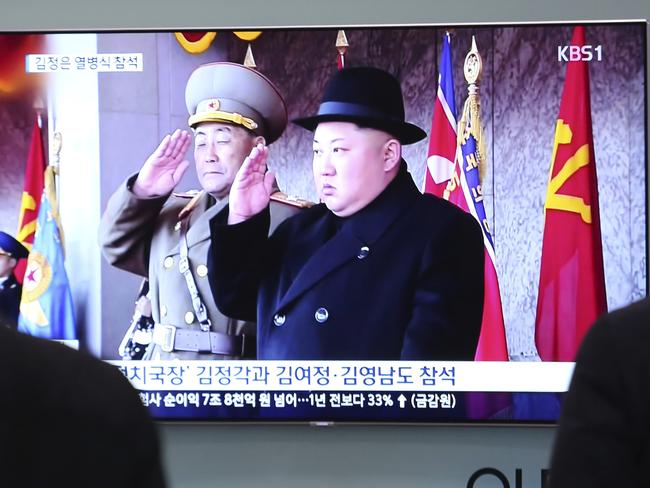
{"type": "Point", "coordinates": [572, 280]}
{"type": "Point", "coordinates": [464, 190]}
{"type": "Point", "coordinates": [442, 141]}
{"type": "Point", "coordinates": [31, 198]}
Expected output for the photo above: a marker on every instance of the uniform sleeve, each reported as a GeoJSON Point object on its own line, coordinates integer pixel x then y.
{"type": "Point", "coordinates": [597, 443]}
{"type": "Point", "coordinates": [127, 227]}
{"type": "Point", "coordinates": [447, 307]}
{"type": "Point", "coordinates": [236, 263]}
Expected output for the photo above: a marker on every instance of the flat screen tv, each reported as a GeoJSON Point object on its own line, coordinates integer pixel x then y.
{"type": "Point", "coordinates": [539, 131]}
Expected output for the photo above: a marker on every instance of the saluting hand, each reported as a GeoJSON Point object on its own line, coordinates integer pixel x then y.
{"type": "Point", "coordinates": [165, 167]}
{"type": "Point", "coordinates": [250, 192]}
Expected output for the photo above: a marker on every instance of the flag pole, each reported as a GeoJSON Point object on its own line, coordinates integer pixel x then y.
{"type": "Point", "coordinates": [342, 48]}
{"type": "Point", "coordinates": [465, 190]}
{"type": "Point", "coordinates": [473, 71]}
{"type": "Point", "coordinates": [52, 181]}
{"type": "Point", "coordinates": [443, 140]}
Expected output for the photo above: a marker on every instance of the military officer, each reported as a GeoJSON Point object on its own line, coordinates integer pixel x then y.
{"type": "Point", "coordinates": [10, 290]}
{"type": "Point", "coordinates": [148, 230]}
{"type": "Point", "coordinates": [377, 270]}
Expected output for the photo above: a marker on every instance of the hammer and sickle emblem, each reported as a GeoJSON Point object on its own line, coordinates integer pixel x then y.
{"type": "Point", "coordinates": [580, 158]}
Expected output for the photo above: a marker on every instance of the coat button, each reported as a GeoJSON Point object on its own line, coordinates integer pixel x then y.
{"type": "Point", "coordinates": [189, 318]}
{"type": "Point", "coordinates": [202, 270]}
{"type": "Point", "coordinates": [363, 252]}
{"type": "Point", "coordinates": [279, 319]}
{"type": "Point", "coordinates": [321, 315]}
{"type": "Point", "coordinates": [168, 262]}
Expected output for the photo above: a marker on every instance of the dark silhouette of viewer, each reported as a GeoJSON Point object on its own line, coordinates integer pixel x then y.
{"type": "Point", "coordinates": [603, 439]}
{"type": "Point", "coordinates": [68, 419]}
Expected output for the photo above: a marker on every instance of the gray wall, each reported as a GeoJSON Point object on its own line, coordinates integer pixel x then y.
{"type": "Point", "coordinates": [16, 120]}
{"type": "Point", "coordinates": [286, 456]}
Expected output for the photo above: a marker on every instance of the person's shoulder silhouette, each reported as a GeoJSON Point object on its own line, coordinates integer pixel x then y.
{"type": "Point", "coordinates": [603, 438]}
{"type": "Point", "coordinates": [68, 419]}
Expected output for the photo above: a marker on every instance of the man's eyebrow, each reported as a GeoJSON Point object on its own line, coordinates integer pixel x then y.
{"type": "Point", "coordinates": [338, 139]}
{"type": "Point", "coordinates": [201, 132]}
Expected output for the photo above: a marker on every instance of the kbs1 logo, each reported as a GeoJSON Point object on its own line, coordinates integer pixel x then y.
{"type": "Point", "coordinates": [580, 53]}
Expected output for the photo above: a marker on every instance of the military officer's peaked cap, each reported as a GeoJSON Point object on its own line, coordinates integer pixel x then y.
{"type": "Point", "coordinates": [368, 97]}
{"type": "Point", "coordinates": [10, 246]}
{"type": "Point", "coordinates": [235, 94]}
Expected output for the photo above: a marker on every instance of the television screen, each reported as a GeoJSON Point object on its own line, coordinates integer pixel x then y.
{"type": "Point", "coordinates": [534, 134]}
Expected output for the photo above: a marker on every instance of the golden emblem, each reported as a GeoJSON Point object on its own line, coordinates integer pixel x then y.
{"type": "Point", "coordinates": [473, 66]}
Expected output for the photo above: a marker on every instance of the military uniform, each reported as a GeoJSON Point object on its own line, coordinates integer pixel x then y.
{"type": "Point", "coordinates": [166, 238]}
{"type": "Point", "coordinates": [142, 236]}
{"type": "Point", "coordinates": [10, 288]}
{"type": "Point", "coordinates": [10, 292]}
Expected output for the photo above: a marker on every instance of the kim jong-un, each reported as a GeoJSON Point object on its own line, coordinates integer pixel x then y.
{"type": "Point", "coordinates": [376, 270]}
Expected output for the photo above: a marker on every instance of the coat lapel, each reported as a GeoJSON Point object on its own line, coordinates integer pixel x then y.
{"type": "Point", "coordinates": [362, 229]}
{"type": "Point", "coordinates": [200, 219]}
{"type": "Point", "coordinates": [341, 248]}
{"type": "Point", "coordinates": [199, 223]}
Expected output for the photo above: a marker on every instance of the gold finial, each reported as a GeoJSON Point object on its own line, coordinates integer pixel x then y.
{"type": "Point", "coordinates": [249, 60]}
{"type": "Point", "coordinates": [470, 120]}
{"type": "Point", "coordinates": [341, 42]}
{"type": "Point", "coordinates": [473, 66]}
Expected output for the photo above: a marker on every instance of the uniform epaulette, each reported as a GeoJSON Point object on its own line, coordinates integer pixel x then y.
{"type": "Point", "coordinates": [281, 197]}
{"type": "Point", "coordinates": [195, 196]}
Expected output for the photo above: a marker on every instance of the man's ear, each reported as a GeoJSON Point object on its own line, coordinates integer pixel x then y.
{"type": "Point", "coordinates": [392, 154]}
{"type": "Point", "coordinates": [259, 140]}
{"type": "Point", "coordinates": [13, 262]}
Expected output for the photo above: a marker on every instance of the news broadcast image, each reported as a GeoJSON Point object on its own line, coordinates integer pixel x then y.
{"type": "Point", "coordinates": [537, 131]}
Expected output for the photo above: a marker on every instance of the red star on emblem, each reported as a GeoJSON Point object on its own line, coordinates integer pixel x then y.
{"type": "Point", "coordinates": [30, 275]}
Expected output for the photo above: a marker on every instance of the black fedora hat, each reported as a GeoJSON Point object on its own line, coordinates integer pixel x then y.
{"type": "Point", "coordinates": [368, 97]}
